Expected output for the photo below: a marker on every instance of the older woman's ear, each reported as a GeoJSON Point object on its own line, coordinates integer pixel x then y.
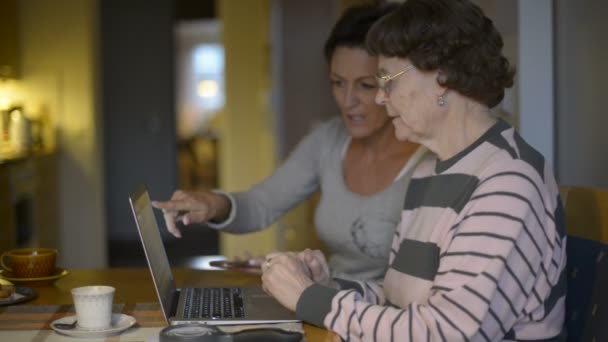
{"type": "Point", "coordinates": [441, 77]}
{"type": "Point", "coordinates": [440, 90]}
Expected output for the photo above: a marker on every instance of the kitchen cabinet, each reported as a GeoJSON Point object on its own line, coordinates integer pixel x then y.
{"type": "Point", "coordinates": [29, 215]}
{"type": "Point", "coordinates": [46, 202]}
{"type": "Point", "coordinates": [9, 44]}
{"type": "Point", "coordinates": [7, 217]}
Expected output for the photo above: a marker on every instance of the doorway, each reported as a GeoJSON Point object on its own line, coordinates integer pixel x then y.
{"type": "Point", "coordinates": [138, 100]}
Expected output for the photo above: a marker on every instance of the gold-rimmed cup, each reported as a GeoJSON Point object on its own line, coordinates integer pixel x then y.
{"type": "Point", "coordinates": [30, 262]}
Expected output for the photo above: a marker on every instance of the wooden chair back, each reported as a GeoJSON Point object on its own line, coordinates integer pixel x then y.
{"type": "Point", "coordinates": [586, 212]}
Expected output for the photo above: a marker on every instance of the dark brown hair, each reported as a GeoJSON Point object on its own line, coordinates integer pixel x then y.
{"type": "Point", "coordinates": [352, 27]}
{"type": "Point", "coordinates": [452, 36]}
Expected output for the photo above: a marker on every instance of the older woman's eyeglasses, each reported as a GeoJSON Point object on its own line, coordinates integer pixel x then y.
{"type": "Point", "coordinates": [384, 82]}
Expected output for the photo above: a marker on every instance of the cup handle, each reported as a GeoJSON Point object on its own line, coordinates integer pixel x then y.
{"type": "Point", "coordinates": [5, 254]}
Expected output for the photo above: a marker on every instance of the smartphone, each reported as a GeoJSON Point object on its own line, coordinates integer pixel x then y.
{"type": "Point", "coordinates": [245, 264]}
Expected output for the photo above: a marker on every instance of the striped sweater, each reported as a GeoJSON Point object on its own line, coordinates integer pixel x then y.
{"type": "Point", "coordinates": [479, 255]}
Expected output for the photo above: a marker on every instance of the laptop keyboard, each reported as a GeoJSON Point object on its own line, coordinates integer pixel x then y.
{"type": "Point", "coordinates": [214, 303]}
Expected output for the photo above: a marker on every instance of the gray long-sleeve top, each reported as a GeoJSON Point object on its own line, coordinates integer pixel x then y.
{"type": "Point", "coordinates": [357, 229]}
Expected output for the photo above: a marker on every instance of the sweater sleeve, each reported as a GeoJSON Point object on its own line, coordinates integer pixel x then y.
{"type": "Point", "coordinates": [316, 300]}
{"type": "Point", "coordinates": [501, 261]}
{"type": "Point", "coordinates": [295, 180]}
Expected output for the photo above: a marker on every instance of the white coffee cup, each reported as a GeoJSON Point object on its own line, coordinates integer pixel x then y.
{"type": "Point", "coordinates": [93, 306]}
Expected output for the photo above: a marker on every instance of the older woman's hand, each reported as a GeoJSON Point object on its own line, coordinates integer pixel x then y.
{"type": "Point", "coordinates": [285, 277]}
{"type": "Point", "coordinates": [317, 265]}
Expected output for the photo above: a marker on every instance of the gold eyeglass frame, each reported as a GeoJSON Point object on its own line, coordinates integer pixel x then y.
{"type": "Point", "coordinates": [383, 82]}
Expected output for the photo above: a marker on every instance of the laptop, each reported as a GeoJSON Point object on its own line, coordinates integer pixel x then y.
{"type": "Point", "coordinates": [215, 306]}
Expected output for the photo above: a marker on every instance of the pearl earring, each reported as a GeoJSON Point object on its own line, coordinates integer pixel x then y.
{"type": "Point", "coordinates": [440, 101]}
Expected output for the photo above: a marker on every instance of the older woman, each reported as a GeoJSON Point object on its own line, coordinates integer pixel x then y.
{"type": "Point", "coordinates": [356, 162]}
{"type": "Point", "coordinates": [479, 253]}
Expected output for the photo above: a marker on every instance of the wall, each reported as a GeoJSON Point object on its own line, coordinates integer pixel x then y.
{"type": "Point", "coordinates": [301, 74]}
{"type": "Point", "coordinates": [581, 55]}
{"type": "Point", "coordinates": [246, 128]}
{"type": "Point", "coordinates": [536, 76]}
{"type": "Point", "coordinates": [58, 53]}
{"type": "Point", "coordinates": [9, 59]}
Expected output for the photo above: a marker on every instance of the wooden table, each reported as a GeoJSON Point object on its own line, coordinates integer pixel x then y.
{"type": "Point", "coordinates": [134, 285]}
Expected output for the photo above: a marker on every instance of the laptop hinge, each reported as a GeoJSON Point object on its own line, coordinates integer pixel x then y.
{"type": "Point", "coordinates": [175, 302]}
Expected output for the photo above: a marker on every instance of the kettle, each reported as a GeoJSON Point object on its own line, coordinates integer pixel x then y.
{"type": "Point", "coordinates": [20, 131]}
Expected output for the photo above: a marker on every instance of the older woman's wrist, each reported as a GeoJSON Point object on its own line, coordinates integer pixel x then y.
{"type": "Point", "coordinates": [315, 303]}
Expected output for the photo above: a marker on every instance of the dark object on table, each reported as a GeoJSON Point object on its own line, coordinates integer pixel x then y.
{"type": "Point", "coordinates": [66, 326]}
{"type": "Point", "coordinates": [234, 264]}
{"type": "Point", "coordinates": [208, 333]}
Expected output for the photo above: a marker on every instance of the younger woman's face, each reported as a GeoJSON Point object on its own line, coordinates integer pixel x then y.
{"type": "Point", "coordinates": [352, 75]}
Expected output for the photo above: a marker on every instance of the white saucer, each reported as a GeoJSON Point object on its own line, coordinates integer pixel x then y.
{"type": "Point", "coordinates": [120, 322]}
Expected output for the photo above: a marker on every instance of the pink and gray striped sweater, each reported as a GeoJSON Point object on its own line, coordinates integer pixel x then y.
{"type": "Point", "coordinates": [479, 255]}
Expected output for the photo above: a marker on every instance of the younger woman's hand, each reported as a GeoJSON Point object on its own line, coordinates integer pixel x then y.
{"type": "Point", "coordinates": [192, 207]}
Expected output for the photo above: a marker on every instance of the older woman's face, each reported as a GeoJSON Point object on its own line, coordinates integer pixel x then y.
{"type": "Point", "coordinates": [411, 100]}
{"type": "Point", "coordinates": [352, 72]}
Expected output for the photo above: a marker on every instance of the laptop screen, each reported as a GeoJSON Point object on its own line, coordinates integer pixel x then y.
{"type": "Point", "coordinates": [153, 248]}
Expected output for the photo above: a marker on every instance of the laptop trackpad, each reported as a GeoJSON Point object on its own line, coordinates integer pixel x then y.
{"type": "Point", "coordinates": [259, 305]}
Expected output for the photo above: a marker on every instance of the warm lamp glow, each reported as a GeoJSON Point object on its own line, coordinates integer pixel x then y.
{"type": "Point", "coordinates": [207, 88]}
{"type": "Point", "coordinates": [5, 103]}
